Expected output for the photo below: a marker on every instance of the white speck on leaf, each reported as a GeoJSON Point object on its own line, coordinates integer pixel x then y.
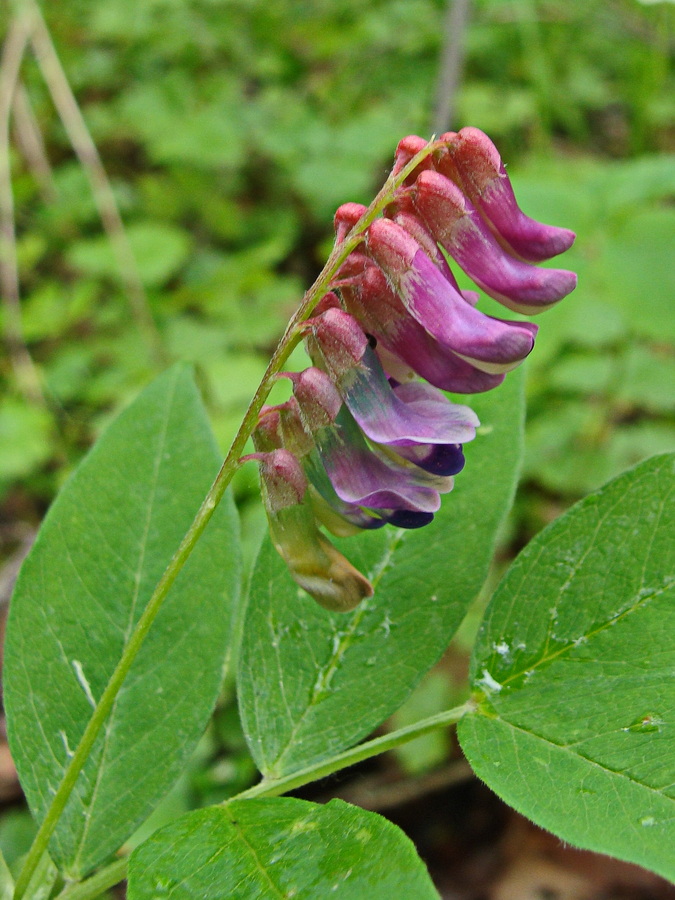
{"type": "Point", "coordinates": [491, 685]}
{"type": "Point", "coordinates": [64, 738]}
{"type": "Point", "coordinates": [84, 684]}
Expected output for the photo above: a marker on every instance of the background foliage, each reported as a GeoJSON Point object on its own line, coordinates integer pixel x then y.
{"type": "Point", "coordinates": [231, 129]}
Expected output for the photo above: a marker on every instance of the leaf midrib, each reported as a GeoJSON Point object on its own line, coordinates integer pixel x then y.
{"type": "Point", "coordinates": [568, 749]}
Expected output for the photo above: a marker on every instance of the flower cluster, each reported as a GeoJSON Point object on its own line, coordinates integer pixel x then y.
{"type": "Point", "coordinates": [363, 442]}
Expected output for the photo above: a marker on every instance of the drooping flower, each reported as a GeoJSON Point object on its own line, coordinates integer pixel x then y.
{"type": "Point", "coordinates": [361, 473]}
{"type": "Point", "coordinates": [362, 442]}
{"type": "Point", "coordinates": [473, 162]}
{"type": "Point", "coordinates": [415, 419]}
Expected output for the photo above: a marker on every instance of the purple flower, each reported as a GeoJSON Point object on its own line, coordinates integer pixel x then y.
{"type": "Point", "coordinates": [362, 474]}
{"type": "Point", "coordinates": [417, 420]}
{"type": "Point", "coordinates": [362, 442]}
{"type": "Point", "coordinates": [460, 229]}
{"type": "Point", "coordinates": [281, 426]}
{"type": "Point", "coordinates": [403, 345]}
{"type": "Point", "coordinates": [470, 160]}
{"type": "Point", "coordinates": [473, 162]}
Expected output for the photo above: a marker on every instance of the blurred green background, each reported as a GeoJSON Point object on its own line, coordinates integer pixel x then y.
{"type": "Point", "coordinates": [231, 130]}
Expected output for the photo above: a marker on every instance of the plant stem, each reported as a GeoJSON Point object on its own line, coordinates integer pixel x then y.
{"type": "Point", "coordinates": [452, 61]}
{"type": "Point", "coordinates": [30, 140]}
{"type": "Point", "coordinates": [93, 887]}
{"type": "Point", "coordinates": [274, 787]}
{"type": "Point", "coordinates": [290, 339]}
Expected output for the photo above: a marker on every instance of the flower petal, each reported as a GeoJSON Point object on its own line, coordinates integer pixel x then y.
{"type": "Point", "coordinates": [382, 314]}
{"type": "Point", "coordinates": [365, 477]}
{"type": "Point", "coordinates": [473, 162]}
{"type": "Point", "coordinates": [493, 345]}
{"type": "Point", "coordinates": [459, 228]}
{"type": "Point", "coordinates": [381, 412]}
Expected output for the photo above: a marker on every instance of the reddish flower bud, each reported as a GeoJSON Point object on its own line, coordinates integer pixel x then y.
{"type": "Point", "coordinates": [346, 218]}
{"type": "Point", "coordinates": [337, 340]}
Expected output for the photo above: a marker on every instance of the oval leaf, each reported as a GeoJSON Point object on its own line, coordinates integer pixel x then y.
{"type": "Point", "coordinates": [280, 848]}
{"type": "Point", "coordinates": [100, 552]}
{"type": "Point", "coordinates": [575, 664]}
{"type": "Point", "coordinates": [332, 678]}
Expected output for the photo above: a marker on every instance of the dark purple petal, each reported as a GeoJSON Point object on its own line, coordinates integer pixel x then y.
{"type": "Point", "coordinates": [403, 518]}
{"type": "Point", "coordinates": [459, 228]}
{"type": "Point", "coordinates": [440, 459]}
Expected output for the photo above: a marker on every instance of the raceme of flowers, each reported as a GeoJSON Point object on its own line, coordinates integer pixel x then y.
{"type": "Point", "coordinates": [363, 442]}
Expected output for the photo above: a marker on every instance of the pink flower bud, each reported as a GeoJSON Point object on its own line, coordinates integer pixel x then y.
{"type": "Point", "coordinates": [407, 148]}
{"type": "Point", "coordinates": [346, 218]}
{"type": "Point", "coordinates": [459, 228]}
{"type": "Point", "coordinates": [317, 396]}
{"type": "Point", "coordinates": [477, 167]}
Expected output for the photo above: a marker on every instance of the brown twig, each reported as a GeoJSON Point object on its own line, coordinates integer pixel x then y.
{"type": "Point", "coordinates": [10, 568]}
{"type": "Point", "coordinates": [378, 792]}
{"type": "Point", "coordinates": [29, 138]}
{"type": "Point", "coordinates": [88, 155]}
{"type": "Point", "coordinates": [26, 375]}
{"type": "Point", "coordinates": [452, 61]}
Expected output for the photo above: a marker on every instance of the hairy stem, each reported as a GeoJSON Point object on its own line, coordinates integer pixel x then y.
{"type": "Point", "coordinates": [290, 339]}
{"type": "Point", "coordinates": [274, 786]}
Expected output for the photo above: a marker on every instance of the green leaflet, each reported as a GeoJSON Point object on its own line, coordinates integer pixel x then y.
{"type": "Point", "coordinates": [575, 666]}
{"type": "Point", "coordinates": [99, 554]}
{"type": "Point", "coordinates": [280, 848]}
